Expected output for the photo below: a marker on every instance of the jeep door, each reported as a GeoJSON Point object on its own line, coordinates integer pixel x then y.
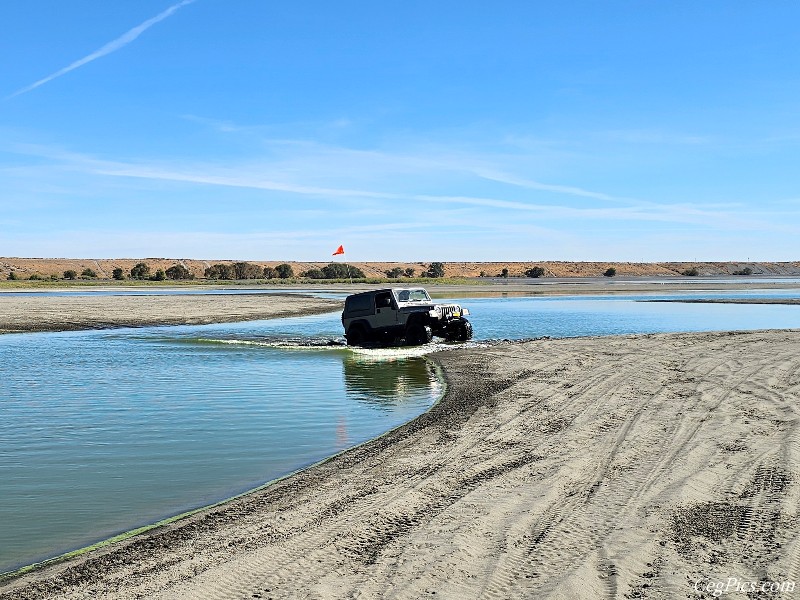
{"type": "Point", "coordinates": [385, 311]}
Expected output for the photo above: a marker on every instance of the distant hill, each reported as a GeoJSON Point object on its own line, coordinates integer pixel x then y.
{"type": "Point", "coordinates": [25, 267]}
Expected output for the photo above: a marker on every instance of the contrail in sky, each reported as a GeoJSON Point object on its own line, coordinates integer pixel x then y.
{"type": "Point", "coordinates": [123, 40]}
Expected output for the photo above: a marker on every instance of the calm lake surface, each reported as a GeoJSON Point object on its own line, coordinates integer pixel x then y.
{"type": "Point", "coordinates": [104, 431]}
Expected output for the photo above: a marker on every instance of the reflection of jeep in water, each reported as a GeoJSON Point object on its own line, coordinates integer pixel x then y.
{"type": "Point", "coordinates": [372, 381]}
{"type": "Point", "coordinates": [391, 316]}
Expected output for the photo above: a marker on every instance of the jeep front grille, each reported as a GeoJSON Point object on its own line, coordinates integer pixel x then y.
{"type": "Point", "coordinates": [448, 311]}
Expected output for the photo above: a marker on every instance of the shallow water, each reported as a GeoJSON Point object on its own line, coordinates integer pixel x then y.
{"type": "Point", "coordinates": [570, 316]}
{"type": "Point", "coordinates": [106, 431]}
{"type": "Point", "coordinates": [103, 431]}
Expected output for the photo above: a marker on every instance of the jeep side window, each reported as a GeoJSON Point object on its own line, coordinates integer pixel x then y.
{"type": "Point", "coordinates": [358, 303]}
{"type": "Point", "coordinates": [383, 300]}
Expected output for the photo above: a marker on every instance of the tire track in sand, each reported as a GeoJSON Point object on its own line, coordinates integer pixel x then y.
{"type": "Point", "coordinates": [587, 516]}
{"type": "Point", "coordinates": [561, 477]}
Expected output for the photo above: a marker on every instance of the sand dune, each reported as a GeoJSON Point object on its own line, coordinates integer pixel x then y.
{"type": "Point", "coordinates": [618, 467]}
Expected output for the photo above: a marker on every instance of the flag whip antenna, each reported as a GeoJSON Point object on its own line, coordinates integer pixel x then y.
{"type": "Point", "coordinates": [340, 250]}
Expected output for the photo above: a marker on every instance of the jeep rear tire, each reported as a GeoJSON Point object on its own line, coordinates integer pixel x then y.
{"type": "Point", "coordinates": [356, 335]}
{"type": "Point", "coordinates": [418, 334]}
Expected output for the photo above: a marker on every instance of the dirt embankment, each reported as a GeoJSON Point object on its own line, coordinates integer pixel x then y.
{"type": "Point", "coordinates": [625, 467]}
{"type": "Point", "coordinates": [25, 267]}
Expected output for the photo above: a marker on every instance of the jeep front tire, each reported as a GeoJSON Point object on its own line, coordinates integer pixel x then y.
{"type": "Point", "coordinates": [463, 331]}
{"type": "Point", "coordinates": [418, 334]}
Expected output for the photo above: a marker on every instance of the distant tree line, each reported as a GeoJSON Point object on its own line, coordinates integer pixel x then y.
{"type": "Point", "coordinates": [87, 273]}
{"type": "Point", "coordinates": [335, 271]}
{"type": "Point", "coordinates": [178, 272]}
{"type": "Point", "coordinates": [398, 272]}
{"type": "Point", "coordinates": [245, 270]}
{"type": "Point", "coordinates": [141, 271]}
{"type": "Point", "coordinates": [535, 272]}
{"type": "Point", "coordinates": [14, 276]}
{"type": "Point", "coordinates": [435, 270]}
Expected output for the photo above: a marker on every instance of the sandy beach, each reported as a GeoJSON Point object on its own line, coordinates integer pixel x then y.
{"type": "Point", "coordinates": [21, 313]}
{"type": "Point", "coordinates": [631, 466]}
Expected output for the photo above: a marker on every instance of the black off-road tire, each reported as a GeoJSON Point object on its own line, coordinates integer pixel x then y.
{"type": "Point", "coordinates": [388, 339]}
{"type": "Point", "coordinates": [463, 331]}
{"type": "Point", "coordinates": [356, 335]}
{"type": "Point", "coordinates": [418, 334]}
{"type": "Point", "coordinates": [459, 331]}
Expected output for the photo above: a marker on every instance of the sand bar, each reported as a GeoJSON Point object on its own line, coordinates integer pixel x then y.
{"type": "Point", "coordinates": [630, 466]}
{"type": "Point", "coordinates": [21, 313]}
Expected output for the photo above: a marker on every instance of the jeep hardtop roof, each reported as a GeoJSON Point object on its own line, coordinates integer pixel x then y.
{"type": "Point", "coordinates": [362, 301]}
{"type": "Point", "coordinates": [392, 289]}
{"type": "Point", "coordinates": [396, 291]}
{"type": "Point", "coordinates": [371, 292]}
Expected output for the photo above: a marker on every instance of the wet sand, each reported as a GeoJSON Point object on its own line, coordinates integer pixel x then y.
{"type": "Point", "coordinates": [20, 313]}
{"type": "Point", "coordinates": [618, 467]}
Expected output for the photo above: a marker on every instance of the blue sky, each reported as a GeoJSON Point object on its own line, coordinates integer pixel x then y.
{"type": "Point", "coordinates": [446, 130]}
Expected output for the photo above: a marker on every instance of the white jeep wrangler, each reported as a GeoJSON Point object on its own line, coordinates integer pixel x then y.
{"type": "Point", "coordinates": [392, 316]}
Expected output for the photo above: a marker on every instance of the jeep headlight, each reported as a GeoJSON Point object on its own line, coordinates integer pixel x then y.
{"type": "Point", "coordinates": [434, 313]}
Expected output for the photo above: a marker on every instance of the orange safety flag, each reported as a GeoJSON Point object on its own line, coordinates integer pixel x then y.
{"type": "Point", "coordinates": [339, 250]}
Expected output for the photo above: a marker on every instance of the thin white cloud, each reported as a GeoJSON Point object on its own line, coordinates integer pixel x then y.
{"type": "Point", "coordinates": [112, 46]}
{"type": "Point", "coordinates": [650, 136]}
{"type": "Point", "coordinates": [216, 124]}
{"type": "Point", "coordinates": [547, 187]}
{"type": "Point", "coordinates": [677, 213]}
{"type": "Point", "coordinates": [716, 216]}
{"type": "Point", "coordinates": [232, 180]}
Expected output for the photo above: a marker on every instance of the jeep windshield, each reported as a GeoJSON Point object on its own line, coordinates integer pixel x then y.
{"type": "Point", "coordinates": [413, 296]}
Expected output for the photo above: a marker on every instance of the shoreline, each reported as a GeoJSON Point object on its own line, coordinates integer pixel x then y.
{"type": "Point", "coordinates": [220, 504]}
{"type": "Point", "coordinates": [155, 306]}
{"type": "Point", "coordinates": [731, 300]}
{"type": "Point", "coordinates": [32, 314]}
{"type": "Point", "coordinates": [492, 492]}
{"type": "Point", "coordinates": [535, 285]}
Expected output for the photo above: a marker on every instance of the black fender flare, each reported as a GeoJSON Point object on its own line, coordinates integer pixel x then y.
{"type": "Point", "coordinates": [364, 324]}
{"type": "Point", "coordinates": [418, 317]}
